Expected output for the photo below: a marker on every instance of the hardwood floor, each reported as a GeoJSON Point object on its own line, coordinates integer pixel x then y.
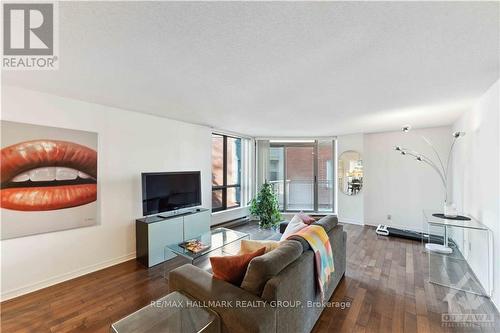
{"type": "Point", "coordinates": [385, 283]}
{"type": "Point", "coordinates": [386, 280]}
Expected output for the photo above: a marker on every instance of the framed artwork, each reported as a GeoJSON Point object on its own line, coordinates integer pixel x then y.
{"type": "Point", "coordinates": [48, 179]}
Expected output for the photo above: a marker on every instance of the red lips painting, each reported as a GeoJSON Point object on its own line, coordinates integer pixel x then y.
{"type": "Point", "coordinates": [48, 179]}
{"type": "Point", "coordinates": [47, 175]}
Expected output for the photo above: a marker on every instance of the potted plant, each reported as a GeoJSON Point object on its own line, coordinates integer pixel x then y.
{"type": "Point", "coordinates": [265, 207]}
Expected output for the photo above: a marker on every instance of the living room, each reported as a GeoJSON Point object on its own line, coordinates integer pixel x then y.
{"type": "Point", "coordinates": [355, 121]}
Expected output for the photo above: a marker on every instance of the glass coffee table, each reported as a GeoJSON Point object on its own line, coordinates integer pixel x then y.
{"type": "Point", "coordinates": [174, 313]}
{"type": "Point", "coordinates": [215, 239]}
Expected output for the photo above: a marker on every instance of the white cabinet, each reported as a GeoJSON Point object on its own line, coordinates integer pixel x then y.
{"type": "Point", "coordinates": [153, 234]}
{"type": "Point", "coordinates": [196, 224]}
{"type": "Point", "coordinates": [161, 234]}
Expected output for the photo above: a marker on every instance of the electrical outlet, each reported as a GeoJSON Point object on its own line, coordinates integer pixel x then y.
{"type": "Point", "coordinates": [389, 216]}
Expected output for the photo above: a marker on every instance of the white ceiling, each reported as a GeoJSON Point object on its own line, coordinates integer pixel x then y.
{"type": "Point", "coordinates": [280, 69]}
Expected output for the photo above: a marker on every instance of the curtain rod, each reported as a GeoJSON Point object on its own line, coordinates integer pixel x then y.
{"type": "Point", "coordinates": [239, 135]}
{"type": "Point", "coordinates": [295, 138]}
{"type": "Point", "coordinates": [229, 133]}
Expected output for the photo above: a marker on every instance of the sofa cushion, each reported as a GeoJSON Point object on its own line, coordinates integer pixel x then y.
{"type": "Point", "coordinates": [251, 245]}
{"type": "Point", "coordinates": [233, 268]}
{"type": "Point", "coordinates": [327, 222]}
{"type": "Point", "coordinates": [283, 226]}
{"type": "Point", "coordinates": [306, 218]}
{"type": "Point", "coordinates": [295, 225]}
{"type": "Point", "coordinates": [264, 267]}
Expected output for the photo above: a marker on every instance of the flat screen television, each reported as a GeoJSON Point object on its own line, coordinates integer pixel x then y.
{"type": "Point", "coordinates": [168, 191]}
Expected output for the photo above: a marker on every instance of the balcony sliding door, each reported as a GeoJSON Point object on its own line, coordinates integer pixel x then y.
{"type": "Point", "coordinates": [302, 175]}
{"type": "Point", "coordinates": [324, 176]}
{"type": "Point", "coordinates": [299, 171]}
{"type": "Point", "coordinates": [277, 173]}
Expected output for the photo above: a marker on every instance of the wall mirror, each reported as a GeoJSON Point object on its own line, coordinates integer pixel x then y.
{"type": "Point", "coordinates": [350, 172]}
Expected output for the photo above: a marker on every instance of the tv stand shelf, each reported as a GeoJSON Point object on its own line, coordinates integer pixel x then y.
{"type": "Point", "coordinates": [154, 233]}
{"type": "Point", "coordinates": [162, 217]}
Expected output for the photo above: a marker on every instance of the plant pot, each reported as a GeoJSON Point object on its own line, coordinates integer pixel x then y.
{"type": "Point", "coordinates": [267, 226]}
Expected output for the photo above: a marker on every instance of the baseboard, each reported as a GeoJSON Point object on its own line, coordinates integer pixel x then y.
{"type": "Point", "coordinates": [9, 294]}
{"type": "Point", "coordinates": [350, 221]}
{"type": "Point", "coordinates": [229, 215]}
{"type": "Point", "coordinates": [232, 223]}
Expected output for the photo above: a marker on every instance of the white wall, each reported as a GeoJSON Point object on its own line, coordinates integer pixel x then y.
{"type": "Point", "coordinates": [350, 208]}
{"type": "Point", "coordinates": [476, 180]}
{"type": "Point", "coordinates": [399, 185]}
{"type": "Point", "coordinates": [129, 143]}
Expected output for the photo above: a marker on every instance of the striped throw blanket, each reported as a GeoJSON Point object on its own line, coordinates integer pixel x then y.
{"type": "Point", "coordinates": [318, 239]}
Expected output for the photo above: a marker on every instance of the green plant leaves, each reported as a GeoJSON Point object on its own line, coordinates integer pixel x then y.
{"type": "Point", "coordinates": [265, 206]}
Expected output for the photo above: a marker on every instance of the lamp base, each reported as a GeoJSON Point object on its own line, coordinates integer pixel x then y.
{"type": "Point", "coordinates": [438, 248]}
{"type": "Point", "coordinates": [449, 210]}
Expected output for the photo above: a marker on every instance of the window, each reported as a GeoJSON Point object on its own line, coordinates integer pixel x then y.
{"type": "Point", "coordinates": [226, 172]}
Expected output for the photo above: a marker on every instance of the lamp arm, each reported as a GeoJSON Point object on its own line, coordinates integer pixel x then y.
{"type": "Point", "coordinates": [449, 154]}
{"type": "Point", "coordinates": [426, 159]}
{"type": "Point", "coordinates": [432, 165]}
{"type": "Point", "coordinates": [445, 171]}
